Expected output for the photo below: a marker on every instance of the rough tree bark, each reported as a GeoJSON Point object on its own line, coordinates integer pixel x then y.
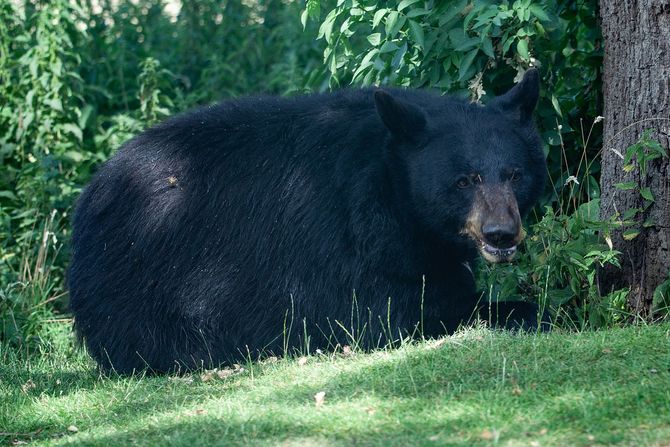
{"type": "Point", "coordinates": [636, 84]}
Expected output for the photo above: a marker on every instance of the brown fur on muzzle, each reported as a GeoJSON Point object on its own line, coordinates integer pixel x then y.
{"type": "Point", "coordinates": [494, 205]}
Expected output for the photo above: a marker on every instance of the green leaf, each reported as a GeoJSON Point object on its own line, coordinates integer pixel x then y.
{"type": "Point", "coordinates": [453, 10]}
{"type": "Point", "coordinates": [626, 186]}
{"type": "Point", "coordinates": [631, 234]}
{"type": "Point", "coordinates": [374, 39]}
{"type": "Point", "coordinates": [399, 55]}
{"type": "Point", "coordinates": [73, 156]}
{"type": "Point", "coordinates": [631, 213]}
{"type": "Point", "coordinates": [405, 3]}
{"type": "Point", "coordinates": [538, 12]}
{"type": "Point", "coordinates": [326, 29]}
{"type": "Point", "coordinates": [522, 49]}
{"type": "Point", "coordinates": [8, 195]}
{"type": "Point", "coordinates": [487, 48]}
{"type": "Point", "coordinates": [661, 295]}
{"type": "Point", "coordinates": [368, 57]}
{"type": "Point", "coordinates": [55, 104]}
{"type": "Point", "coordinates": [417, 12]}
{"type": "Point", "coordinates": [388, 47]}
{"type": "Point", "coordinates": [416, 31]}
{"type": "Point", "coordinates": [557, 106]}
{"type": "Point", "coordinates": [74, 130]}
{"type": "Point", "coordinates": [466, 63]}
{"type": "Point", "coordinates": [303, 19]}
{"type": "Point", "coordinates": [85, 116]}
{"type": "Point", "coordinates": [460, 41]}
{"type": "Point", "coordinates": [646, 193]}
{"type": "Point", "coordinates": [361, 70]}
{"type": "Point", "coordinates": [379, 15]}
{"type": "Point", "coordinates": [394, 21]}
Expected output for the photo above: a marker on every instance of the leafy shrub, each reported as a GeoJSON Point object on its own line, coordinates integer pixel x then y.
{"type": "Point", "coordinates": [78, 79]}
{"type": "Point", "coordinates": [475, 47]}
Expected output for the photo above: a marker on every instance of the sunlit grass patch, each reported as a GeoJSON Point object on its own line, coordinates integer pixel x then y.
{"type": "Point", "coordinates": [474, 388]}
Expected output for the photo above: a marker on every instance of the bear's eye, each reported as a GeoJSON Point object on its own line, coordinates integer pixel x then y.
{"type": "Point", "coordinates": [515, 176]}
{"type": "Point", "coordinates": [463, 182]}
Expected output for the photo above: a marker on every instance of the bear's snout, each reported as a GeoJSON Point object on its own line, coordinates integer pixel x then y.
{"type": "Point", "coordinates": [494, 222]}
{"type": "Point", "coordinates": [500, 234]}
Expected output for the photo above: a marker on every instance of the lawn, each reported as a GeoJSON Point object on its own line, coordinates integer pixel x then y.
{"type": "Point", "coordinates": [474, 388]}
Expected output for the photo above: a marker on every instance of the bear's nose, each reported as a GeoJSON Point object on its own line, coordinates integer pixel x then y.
{"type": "Point", "coordinates": [500, 235]}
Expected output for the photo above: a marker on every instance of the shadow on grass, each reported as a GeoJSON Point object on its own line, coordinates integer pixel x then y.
{"type": "Point", "coordinates": [453, 394]}
{"type": "Point", "coordinates": [568, 417]}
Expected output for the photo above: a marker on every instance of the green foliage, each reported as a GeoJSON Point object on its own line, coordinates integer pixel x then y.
{"type": "Point", "coordinates": [78, 79]}
{"type": "Point", "coordinates": [638, 156]}
{"type": "Point", "coordinates": [477, 47]}
{"type": "Point", "coordinates": [429, 43]}
{"type": "Point", "coordinates": [470, 48]}
{"type": "Point", "coordinates": [41, 153]}
{"type": "Point", "coordinates": [558, 266]}
{"type": "Point", "coordinates": [661, 298]}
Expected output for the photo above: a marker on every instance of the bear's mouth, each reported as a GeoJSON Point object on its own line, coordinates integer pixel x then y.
{"type": "Point", "coordinates": [496, 254]}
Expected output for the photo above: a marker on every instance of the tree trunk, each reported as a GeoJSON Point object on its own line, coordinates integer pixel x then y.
{"type": "Point", "coordinates": [636, 84]}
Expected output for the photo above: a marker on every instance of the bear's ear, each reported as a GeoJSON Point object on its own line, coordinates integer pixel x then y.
{"type": "Point", "coordinates": [521, 99]}
{"type": "Point", "coordinates": [402, 119]}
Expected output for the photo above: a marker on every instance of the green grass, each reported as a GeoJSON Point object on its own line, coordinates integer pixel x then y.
{"type": "Point", "coordinates": [474, 388]}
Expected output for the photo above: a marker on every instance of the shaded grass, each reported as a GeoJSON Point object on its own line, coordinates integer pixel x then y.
{"type": "Point", "coordinates": [474, 388]}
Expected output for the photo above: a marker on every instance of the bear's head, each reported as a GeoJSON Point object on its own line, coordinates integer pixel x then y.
{"type": "Point", "coordinates": [472, 172]}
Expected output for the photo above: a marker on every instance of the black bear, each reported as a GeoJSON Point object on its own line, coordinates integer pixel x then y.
{"type": "Point", "coordinates": [266, 224]}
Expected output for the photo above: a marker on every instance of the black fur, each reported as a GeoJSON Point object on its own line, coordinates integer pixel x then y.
{"type": "Point", "coordinates": [241, 227]}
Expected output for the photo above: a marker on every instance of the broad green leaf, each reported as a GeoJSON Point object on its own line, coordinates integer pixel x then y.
{"type": "Point", "coordinates": [487, 48]}
{"type": "Point", "coordinates": [625, 186]}
{"type": "Point", "coordinates": [466, 62]}
{"type": "Point", "coordinates": [631, 234]}
{"type": "Point", "coordinates": [412, 13]}
{"type": "Point", "coordinates": [368, 57]}
{"type": "Point", "coordinates": [646, 193]}
{"type": "Point", "coordinates": [394, 21]}
{"type": "Point", "coordinates": [452, 12]}
{"type": "Point", "coordinates": [303, 19]}
{"type": "Point", "coordinates": [397, 60]}
{"type": "Point", "coordinates": [74, 130]}
{"type": "Point", "coordinates": [661, 295]}
{"type": "Point", "coordinates": [405, 3]}
{"type": "Point", "coordinates": [379, 15]}
{"type": "Point", "coordinates": [362, 69]}
{"type": "Point", "coordinates": [557, 106]}
{"type": "Point", "coordinates": [374, 39]}
{"type": "Point", "coordinates": [388, 47]}
{"type": "Point", "coordinates": [522, 49]}
{"type": "Point", "coordinates": [326, 29]}
{"type": "Point", "coordinates": [55, 104]}
{"type": "Point", "coordinates": [344, 28]}
{"type": "Point", "coordinates": [8, 195]}
{"type": "Point", "coordinates": [85, 116]}
{"type": "Point", "coordinates": [631, 213]}
{"type": "Point", "coordinates": [648, 223]}
{"type": "Point", "coordinates": [539, 13]}
{"type": "Point", "coordinates": [73, 156]}
{"type": "Point", "coordinates": [416, 32]}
